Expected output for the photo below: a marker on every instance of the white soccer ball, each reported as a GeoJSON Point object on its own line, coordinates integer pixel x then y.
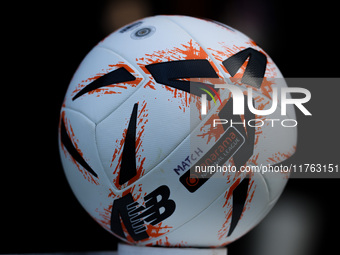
{"type": "Point", "coordinates": [131, 130]}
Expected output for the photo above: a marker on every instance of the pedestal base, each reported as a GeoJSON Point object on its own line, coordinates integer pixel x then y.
{"type": "Point", "coordinates": [126, 249]}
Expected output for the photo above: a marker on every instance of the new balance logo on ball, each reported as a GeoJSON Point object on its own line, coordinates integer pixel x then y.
{"type": "Point", "coordinates": [134, 216]}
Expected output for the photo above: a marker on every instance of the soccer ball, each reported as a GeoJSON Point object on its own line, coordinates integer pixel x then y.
{"type": "Point", "coordinates": [132, 128]}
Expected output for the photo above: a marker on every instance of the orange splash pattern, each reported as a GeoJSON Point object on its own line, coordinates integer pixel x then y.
{"type": "Point", "coordinates": [207, 129]}
{"type": "Point", "coordinates": [157, 230]}
{"type": "Point", "coordinates": [108, 89]}
{"type": "Point", "coordinates": [89, 177]}
{"type": "Point", "coordinates": [164, 241]}
{"type": "Point", "coordinates": [228, 51]}
{"type": "Point", "coordinates": [189, 50]}
{"type": "Point", "coordinates": [119, 144]}
{"type": "Point", "coordinates": [223, 232]}
{"type": "Point", "coordinates": [278, 157]}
